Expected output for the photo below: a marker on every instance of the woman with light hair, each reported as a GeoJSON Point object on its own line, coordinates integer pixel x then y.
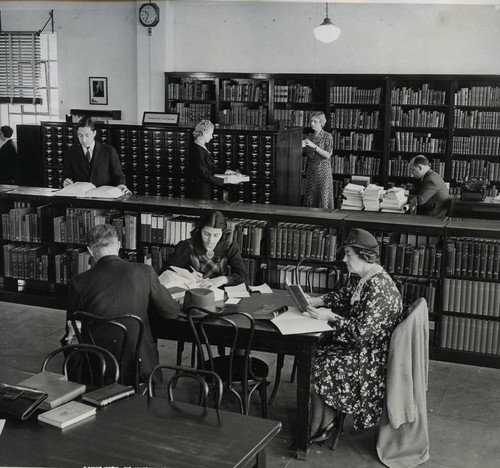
{"type": "Point", "coordinates": [318, 148]}
{"type": "Point", "coordinates": [202, 165]}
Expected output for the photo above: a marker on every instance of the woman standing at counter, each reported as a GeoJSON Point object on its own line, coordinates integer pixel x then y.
{"type": "Point", "coordinates": [318, 147]}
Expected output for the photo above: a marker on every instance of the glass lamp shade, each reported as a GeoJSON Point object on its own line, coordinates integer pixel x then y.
{"type": "Point", "coordinates": [326, 32]}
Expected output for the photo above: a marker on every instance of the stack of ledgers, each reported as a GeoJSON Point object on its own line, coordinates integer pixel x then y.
{"type": "Point", "coordinates": [351, 197]}
{"type": "Point", "coordinates": [394, 201]}
{"type": "Point", "coordinates": [371, 197]}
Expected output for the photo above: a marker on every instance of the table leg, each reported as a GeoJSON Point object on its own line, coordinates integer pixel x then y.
{"type": "Point", "coordinates": [304, 380]}
{"type": "Point", "coordinates": [262, 459]}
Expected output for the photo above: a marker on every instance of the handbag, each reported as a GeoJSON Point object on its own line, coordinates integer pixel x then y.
{"type": "Point", "coordinates": [19, 402]}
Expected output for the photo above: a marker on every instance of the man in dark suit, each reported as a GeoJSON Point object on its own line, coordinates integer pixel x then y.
{"type": "Point", "coordinates": [432, 194]}
{"type": "Point", "coordinates": [91, 161]}
{"type": "Point", "coordinates": [115, 287]}
{"type": "Point", "coordinates": [8, 156]}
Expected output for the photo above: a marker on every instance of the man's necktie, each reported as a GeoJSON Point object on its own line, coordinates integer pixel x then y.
{"type": "Point", "coordinates": [87, 155]}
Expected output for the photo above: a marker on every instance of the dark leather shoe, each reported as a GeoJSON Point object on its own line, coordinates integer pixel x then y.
{"type": "Point", "coordinates": [324, 433]}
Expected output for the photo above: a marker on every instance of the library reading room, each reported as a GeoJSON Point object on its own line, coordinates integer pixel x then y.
{"type": "Point", "coordinates": [250, 233]}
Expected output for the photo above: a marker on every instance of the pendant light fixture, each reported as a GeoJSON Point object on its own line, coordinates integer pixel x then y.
{"type": "Point", "coordinates": [326, 32]}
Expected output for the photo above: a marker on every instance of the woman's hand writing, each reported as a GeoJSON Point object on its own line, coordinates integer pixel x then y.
{"type": "Point", "coordinates": [214, 282]}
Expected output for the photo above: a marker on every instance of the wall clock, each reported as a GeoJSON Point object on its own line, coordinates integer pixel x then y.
{"type": "Point", "coordinates": [149, 14]}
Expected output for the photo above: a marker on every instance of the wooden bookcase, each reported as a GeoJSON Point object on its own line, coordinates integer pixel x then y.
{"type": "Point", "coordinates": [409, 237]}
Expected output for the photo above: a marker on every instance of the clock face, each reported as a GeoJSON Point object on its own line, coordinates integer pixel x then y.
{"type": "Point", "coordinates": [149, 14]}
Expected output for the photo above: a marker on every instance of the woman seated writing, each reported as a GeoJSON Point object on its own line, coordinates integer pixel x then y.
{"type": "Point", "coordinates": [349, 372]}
{"type": "Point", "coordinates": [208, 252]}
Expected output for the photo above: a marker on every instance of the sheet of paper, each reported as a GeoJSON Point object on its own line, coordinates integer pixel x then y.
{"type": "Point", "coordinates": [2, 424]}
{"type": "Point", "coordinates": [263, 289]}
{"type": "Point", "coordinates": [237, 291]}
{"type": "Point", "coordinates": [293, 322]}
{"type": "Point", "coordinates": [233, 300]}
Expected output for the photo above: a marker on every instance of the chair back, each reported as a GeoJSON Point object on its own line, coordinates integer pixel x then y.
{"type": "Point", "coordinates": [450, 206]}
{"type": "Point", "coordinates": [307, 268]}
{"type": "Point", "coordinates": [121, 335]}
{"type": "Point", "coordinates": [210, 384]}
{"type": "Point", "coordinates": [86, 363]}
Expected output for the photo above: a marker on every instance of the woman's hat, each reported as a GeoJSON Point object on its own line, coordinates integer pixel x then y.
{"type": "Point", "coordinates": [200, 297]}
{"type": "Point", "coordinates": [361, 239]}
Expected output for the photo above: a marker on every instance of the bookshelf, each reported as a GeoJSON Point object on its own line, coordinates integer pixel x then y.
{"type": "Point", "coordinates": [422, 245]}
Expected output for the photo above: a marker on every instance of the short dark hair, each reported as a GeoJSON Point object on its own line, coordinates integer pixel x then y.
{"type": "Point", "coordinates": [86, 122]}
{"type": "Point", "coordinates": [369, 256]}
{"type": "Point", "coordinates": [7, 131]}
{"type": "Point", "coordinates": [419, 160]}
{"type": "Point", "coordinates": [213, 219]}
{"type": "Point", "coordinates": [101, 236]}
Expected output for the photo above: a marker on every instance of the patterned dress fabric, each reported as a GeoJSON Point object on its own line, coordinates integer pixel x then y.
{"type": "Point", "coordinates": [349, 372]}
{"type": "Point", "coordinates": [319, 180]}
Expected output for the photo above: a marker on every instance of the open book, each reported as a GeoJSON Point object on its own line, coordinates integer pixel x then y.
{"type": "Point", "coordinates": [89, 190]}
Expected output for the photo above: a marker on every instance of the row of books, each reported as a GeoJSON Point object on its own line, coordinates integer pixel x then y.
{"type": "Point", "coordinates": [416, 117]}
{"type": "Point", "coordinates": [411, 289]}
{"type": "Point", "coordinates": [249, 234]}
{"type": "Point", "coordinates": [295, 241]}
{"type": "Point", "coordinates": [409, 141]}
{"type": "Point", "coordinates": [408, 260]}
{"type": "Point", "coordinates": [353, 141]}
{"type": "Point", "coordinates": [321, 279]}
{"type": "Point", "coordinates": [157, 256]}
{"type": "Point", "coordinates": [26, 262]}
{"type": "Point", "coordinates": [166, 229]}
{"type": "Point", "coordinates": [253, 91]}
{"type": "Point", "coordinates": [241, 115]}
{"type": "Point", "coordinates": [476, 144]}
{"type": "Point", "coordinates": [354, 95]}
{"type": "Point", "coordinates": [423, 96]}
{"type": "Point", "coordinates": [354, 118]}
{"type": "Point", "coordinates": [476, 168]}
{"type": "Point", "coordinates": [355, 164]}
{"type": "Point", "coordinates": [487, 96]}
{"type": "Point", "coordinates": [26, 224]}
{"type": "Point", "coordinates": [399, 167]}
{"type": "Point", "coordinates": [292, 118]}
{"type": "Point", "coordinates": [469, 334]}
{"type": "Point", "coordinates": [292, 93]}
{"type": "Point", "coordinates": [471, 297]}
{"type": "Point", "coordinates": [195, 90]}
{"type": "Point", "coordinates": [192, 113]}
{"type": "Point", "coordinates": [475, 258]}
{"type": "Point", "coordinates": [476, 119]}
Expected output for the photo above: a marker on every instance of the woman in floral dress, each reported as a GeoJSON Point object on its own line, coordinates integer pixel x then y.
{"type": "Point", "coordinates": [318, 147]}
{"type": "Point", "coordinates": [349, 372]}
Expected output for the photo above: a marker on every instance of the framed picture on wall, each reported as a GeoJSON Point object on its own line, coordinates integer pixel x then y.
{"type": "Point", "coordinates": [98, 90]}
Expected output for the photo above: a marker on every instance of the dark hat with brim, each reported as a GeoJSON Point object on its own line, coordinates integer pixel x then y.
{"type": "Point", "coordinates": [361, 239]}
{"type": "Point", "coordinates": [200, 297]}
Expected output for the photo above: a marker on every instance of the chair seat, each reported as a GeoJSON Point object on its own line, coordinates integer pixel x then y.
{"type": "Point", "coordinates": [221, 367]}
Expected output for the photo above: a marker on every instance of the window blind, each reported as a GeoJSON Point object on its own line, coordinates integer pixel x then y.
{"type": "Point", "coordinates": [20, 67]}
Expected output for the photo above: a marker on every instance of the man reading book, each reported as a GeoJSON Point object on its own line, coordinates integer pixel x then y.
{"type": "Point", "coordinates": [92, 161]}
{"type": "Point", "coordinates": [115, 287]}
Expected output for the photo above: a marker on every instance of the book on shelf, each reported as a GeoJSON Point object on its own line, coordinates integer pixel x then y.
{"type": "Point", "coordinates": [57, 387]}
{"type": "Point", "coordinates": [68, 414]}
{"type": "Point", "coordinates": [105, 395]}
{"type": "Point", "coordinates": [89, 190]}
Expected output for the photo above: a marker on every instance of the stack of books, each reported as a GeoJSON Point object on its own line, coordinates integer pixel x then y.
{"type": "Point", "coordinates": [351, 197]}
{"type": "Point", "coordinates": [394, 201]}
{"type": "Point", "coordinates": [371, 197]}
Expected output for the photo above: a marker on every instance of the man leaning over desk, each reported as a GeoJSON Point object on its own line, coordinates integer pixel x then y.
{"type": "Point", "coordinates": [92, 161]}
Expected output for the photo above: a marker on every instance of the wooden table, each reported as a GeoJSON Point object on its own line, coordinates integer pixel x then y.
{"type": "Point", "coordinates": [267, 338]}
{"type": "Point", "coordinates": [141, 431]}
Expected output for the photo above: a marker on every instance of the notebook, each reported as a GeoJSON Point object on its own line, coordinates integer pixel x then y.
{"type": "Point", "coordinates": [105, 395]}
{"type": "Point", "coordinates": [67, 414]}
{"type": "Point", "coordinates": [297, 295]}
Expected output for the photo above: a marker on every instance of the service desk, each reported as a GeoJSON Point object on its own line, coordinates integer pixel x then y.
{"type": "Point", "coordinates": [476, 209]}
{"type": "Point", "coordinates": [141, 431]}
{"type": "Point", "coordinates": [267, 338]}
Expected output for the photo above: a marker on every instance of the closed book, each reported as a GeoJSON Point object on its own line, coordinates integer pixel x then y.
{"type": "Point", "coordinates": [458, 257]}
{"type": "Point", "coordinates": [473, 302]}
{"type": "Point", "coordinates": [484, 336]}
{"type": "Point", "coordinates": [477, 337]}
{"type": "Point", "coordinates": [414, 261]}
{"type": "Point", "coordinates": [472, 336]}
{"type": "Point", "coordinates": [446, 294]}
{"type": "Point", "coordinates": [486, 299]}
{"type": "Point", "coordinates": [449, 334]}
{"type": "Point", "coordinates": [67, 414]}
{"type": "Point", "coordinates": [468, 297]}
{"type": "Point", "coordinates": [400, 257]}
{"type": "Point", "coordinates": [41, 378]}
{"type": "Point", "coordinates": [489, 259]}
{"type": "Point", "coordinates": [467, 334]}
{"type": "Point", "coordinates": [482, 261]}
{"type": "Point", "coordinates": [476, 259]}
{"type": "Point", "coordinates": [480, 298]}
{"type": "Point", "coordinates": [463, 298]}
{"type": "Point", "coordinates": [451, 302]}
{"type": "Point", "coordinates": [496, 342]}
{"type": "Point", "coordinates": [461, 333]}
{"type": "Point", "coordinates": [494, 302]}
{"type": "Point", "coordinates": [458, 296]}
{"type": "Point", "coordinates": [444, 331]}
{"type": "Point", "coordinates": [489, 338]}
{"type": "Point", "coordinates": [465, 259]}
{"type": "Point", "coordinates": [408, 259]}
{"type": "Point", "coordinates": [272, 242]}
{"type": "Point", "coordinates": [450, 257]}
{"type": "Point", "coordinates": [105, 395]}
{"type": "Point", "coordinates": [496, 261]}
{"type": "Point", "coordinates": [454, 333]}
{"type": "Point", "coordinates": [421, 258]}
{"type": "Point", "coordinates": [391, 258]}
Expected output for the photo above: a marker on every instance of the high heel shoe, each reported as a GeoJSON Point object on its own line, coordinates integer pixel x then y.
{"type": "Point", "coordinates": [324, 433]}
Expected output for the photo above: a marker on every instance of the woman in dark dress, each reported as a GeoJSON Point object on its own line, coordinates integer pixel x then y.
{"type": "Point", "coordinates": [349, 373]}
{"type": "Point", "coordinates": [318, 147]}
{"type": "Point", "coordinates": [202, 165]}
{"type": "Point", "coordinates": [209, 252]}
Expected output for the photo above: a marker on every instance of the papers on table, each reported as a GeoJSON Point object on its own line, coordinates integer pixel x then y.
{"type": "Point", "coordinates": [237, 291]}
{"type": "Point", "coordinates": [263, 289]}
{"type": "Point", "coordinates": [394, 201]}
{"type": "Point", "coordinates": [293, 322]}
{"type": "Point", "coordinates": [233, 301]}
{"type": "Point", "coordinates": [371, 197]}
{"type": "Point", "coordinates": [351, 196]}
{"type": "Point", "coordinates": [89, 190]}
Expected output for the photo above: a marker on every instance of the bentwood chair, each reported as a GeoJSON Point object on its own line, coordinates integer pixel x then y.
{"type": "Point", "coordinates": [241, 373]}
{"type": "Point", "coordinates": [84, 363]}
{"type": "Point", "coordinates": [209, 383]}
{"type": "Point", "coordinates": [121, 335]}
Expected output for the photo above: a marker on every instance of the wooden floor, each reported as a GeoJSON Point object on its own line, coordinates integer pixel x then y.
{"type": "Point", "coordinates": [463, 401]}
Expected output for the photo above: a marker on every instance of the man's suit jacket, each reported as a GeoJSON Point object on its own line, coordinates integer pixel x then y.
{"type": "Point", "coordinates": [115, 287]}
{"type": "Point", "coordinates": [8, 162]}
{"type": "Point", "coordinates": [432, 195]}
{"type": "Point", "coordinates": [105, 166]}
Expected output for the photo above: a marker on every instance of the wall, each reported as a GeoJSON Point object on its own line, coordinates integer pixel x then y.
{"type": "Point", "coordinates": [375, 38]}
